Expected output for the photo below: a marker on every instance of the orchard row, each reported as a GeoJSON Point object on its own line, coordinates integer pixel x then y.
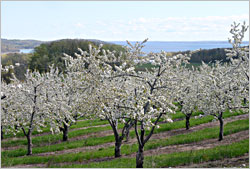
{"type": "Point", "coordinates": [101, 84]}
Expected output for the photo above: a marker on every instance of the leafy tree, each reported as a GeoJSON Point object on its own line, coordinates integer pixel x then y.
{"type": "Point", "coordinates": [225, 86]}
{"type": "Point", "coordinates": [52, 53]}
{"type": "Point", "coordinates": [19, 71]}
{"type": "Point", "coordinates": [27, 106]}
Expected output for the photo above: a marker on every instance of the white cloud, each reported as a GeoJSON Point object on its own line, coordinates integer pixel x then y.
{"type": "Point", "coordinates": [168, 29]}
{"type": "Point", "coordinates": [79, 25]}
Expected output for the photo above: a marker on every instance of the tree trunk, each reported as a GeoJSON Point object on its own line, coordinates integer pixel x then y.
{"type": "Point", "coordinates": [187, 121]}
{"type": "Point", "coordinates": [1, 133]}
{"type": "Point", "coordinates": [65, 132]}
{"type": "Point", "coordinates": [29, 144]}
{"type": "Point", "coordinates": [127, 135]}
{"type": "Point", "coordinates": [221, 129]}
{"type": "Point", "coordinates": [118, 144]}
{"type": "Point", "coordinates": [131, 124]}
{"type": "Point", "coordinates": [245, 101]}
{"type": "Point", "coordinates": [139, 157]}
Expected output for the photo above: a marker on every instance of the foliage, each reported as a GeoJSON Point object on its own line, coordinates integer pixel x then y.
{"type": "Point", "coordinates": [104, 84]}
{"type": "Point", "coordinates": [12, 59]}
{"type": "Point", "coordinates": [52, 53]}
{"type": "Point", "coordinates": [15, 45]}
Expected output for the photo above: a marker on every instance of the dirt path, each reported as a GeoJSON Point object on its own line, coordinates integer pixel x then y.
{"type": "Point", "coordinates": [154, 136]}
{"type": "Point", "coordinates": [95, 134]}
{"type": "Point", "coordinates": [82, 128]}
{"type": "Point", "coordinates": [238, 162]}
{"type": "Point", "coordinates": [206, 144]}
{"type": "Point", "coordinates": [198, 127]}
{"type": "Point", "coordinates": [47, 133]}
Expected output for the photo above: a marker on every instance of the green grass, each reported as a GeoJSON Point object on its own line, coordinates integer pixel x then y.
{"type": "Point", "coordinates": [92, 141]}
{"type": "Point", "coordinates": [207, 133]}
{"type": "Point", "coordinates": [173, 159]}
{"type": "Point", "coordinates": [53, 138]}
{"type": "Point", "coordinates": [79, 124]}
{"type": "Point", "coordinates": [143, 67]}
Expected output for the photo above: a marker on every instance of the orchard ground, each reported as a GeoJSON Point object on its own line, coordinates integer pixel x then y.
{"type": "Point", "coordinates": [91, 144]}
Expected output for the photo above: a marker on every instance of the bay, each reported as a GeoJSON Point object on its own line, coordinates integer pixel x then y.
{"type": "Point", "coordinates": [26, 50]}
{"type": "Point", "coordinates": [176, 46]}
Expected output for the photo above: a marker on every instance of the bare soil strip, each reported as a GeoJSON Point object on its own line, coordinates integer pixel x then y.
{"type": "Point", "coordinates": [238, 162]}
{"type": "Point", "coordinates": [82, 128]}
{"type": "Point", "coordinates": [110, 132]}
{"type": "Point", "coordinates": [206, 144]}
{"type": "Point", "coordinates": [95, 134]}
{"type": "Point", "coordinates": [154, 136]}
{"type": "Point", "coordinates": [47, 133]}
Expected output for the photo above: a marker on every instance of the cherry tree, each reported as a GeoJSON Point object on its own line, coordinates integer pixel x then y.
{"type": "Point", "coordinates": [7, 117]}
{"type": "Point", "coordinates": [152, 94]}
{"type": "Point", "coordinates": [238, 56]}
{"type": "Point", "coordinates": [27, 105]}
{"type": "Point", "coordinates": [226, 85]}
{"type": "Point", "coordinates": [110, 109]}
{"type": "Point", "coordinates": [7, 91]}
{"type": "Point", "coordinates": [188, 95]}
{"type": "Point", "coordinates": [96, 67]}
{"type": "Point", "coordinates": [64, 99]}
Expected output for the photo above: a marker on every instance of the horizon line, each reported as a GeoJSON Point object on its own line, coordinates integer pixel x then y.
{"type": "Point", "coordinates": [126, 40]}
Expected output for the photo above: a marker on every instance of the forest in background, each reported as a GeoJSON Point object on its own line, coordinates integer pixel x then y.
{"type": "Point", "coordinates": [47, 53]}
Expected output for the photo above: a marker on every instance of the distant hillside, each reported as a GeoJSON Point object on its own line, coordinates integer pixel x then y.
{"type": "Point", "coordinates": [14, 45]}
{"type": "Point", "coordinates": [52, 52]}
{"type": "Point", "coordinates": [207, 55]}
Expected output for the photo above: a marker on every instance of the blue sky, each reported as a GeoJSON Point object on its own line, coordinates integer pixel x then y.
{"type": "Point", "coordinates": [122, 20]}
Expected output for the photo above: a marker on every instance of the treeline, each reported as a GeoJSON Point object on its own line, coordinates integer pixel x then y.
{"type": "Point", "coordinates": [52, 53]}
{"type": "Point", "coordinates": [12, 59]}
{"type": "Point", "coordinates": [207, 55]}
{"type": "Point", "coordinates": [15, 45]}
{"type": "Point", "coordinates": [49, 53]}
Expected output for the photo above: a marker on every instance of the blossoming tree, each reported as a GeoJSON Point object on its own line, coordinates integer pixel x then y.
{"type": "Point", "coordinates": [152, 94]}
{"type": "Point", "coordinates": [64, 100]}
{"type": "Point", "coordinates": [226, 85]}
{"type": "Point", "coordinates": [28, 107]}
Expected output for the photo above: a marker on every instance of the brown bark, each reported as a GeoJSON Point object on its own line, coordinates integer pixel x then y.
{"type": "Point", "coordinates": [221, 128]}
{"type": "Point", "coordinates": [139, 157]}
{"type": "Point", "coordinates": [187, 121]}
{"type": "Point", "coordinates": [1, 133]}
{"type": "Point", "coordinates": [127, 136]}
{"type": "Point", "coordinates": [131, 124]}
{"type": "Point", "coordinates": [65, 132]}
{"type": "Point", "coordinates": [118, 144]}
{"type": "Point", "coordinates": [245, 101]}
{"type": "Point", "coordinates": [29, 152]}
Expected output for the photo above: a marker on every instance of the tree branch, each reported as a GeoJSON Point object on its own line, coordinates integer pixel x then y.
{"type": "Point", "coordinates": [137, 135]}
{"type": "Point", "coordinates": [152, 130]}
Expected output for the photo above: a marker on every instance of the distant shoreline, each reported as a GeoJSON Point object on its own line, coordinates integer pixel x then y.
{"type": "Point", "coordinates": [16, 45]}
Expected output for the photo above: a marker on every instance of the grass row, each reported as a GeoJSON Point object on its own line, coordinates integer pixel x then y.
{"type": "Point", "coordinates": [53, 138]}
{"type": "Point", "coordinates": [92, 141]}
{"type": "Point", "coordinates": [200, 135]}
{"type": "Point", "coordinates": [78, 124]}
{"type": "Point", "coordinates": [173, 159]}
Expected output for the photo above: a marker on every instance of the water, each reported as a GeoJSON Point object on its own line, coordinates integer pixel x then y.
{"type": "Point", "coordinates": [26, 50]}
{"type": "Point", "coordinates": [168, 46]}
{"type": "Point", "coordinates": [157, 46]}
